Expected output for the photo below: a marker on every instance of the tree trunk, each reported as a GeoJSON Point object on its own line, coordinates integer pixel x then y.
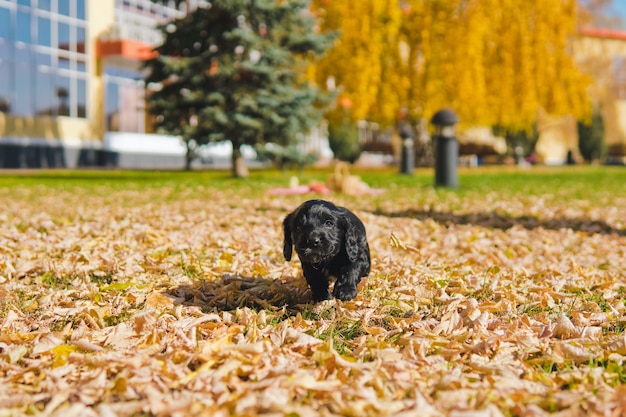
{"type": "Point", "coordinates": [239, 168]}
{"type": "Point", "coordinates": [189, 157]}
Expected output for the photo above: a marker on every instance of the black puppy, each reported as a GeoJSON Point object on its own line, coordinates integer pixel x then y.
{"type": "Point", "coordinates": [330, 242]}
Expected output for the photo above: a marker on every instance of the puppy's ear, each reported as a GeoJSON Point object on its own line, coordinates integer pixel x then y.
{"type": "Point", "coordinates": [352, 238]}
{"type": "Point", "coordinates": [287, 243]}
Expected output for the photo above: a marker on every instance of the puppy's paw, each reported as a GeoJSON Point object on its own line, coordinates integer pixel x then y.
{"type": "Point", "coordinates": [321, 296]}
{"type": "Point", "coordinates": [344, 292]}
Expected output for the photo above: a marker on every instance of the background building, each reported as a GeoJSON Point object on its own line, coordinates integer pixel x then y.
{"type": "Point", "coordinates": [71, 86]}
{"type": "Point", "coordinates": [601, 53]}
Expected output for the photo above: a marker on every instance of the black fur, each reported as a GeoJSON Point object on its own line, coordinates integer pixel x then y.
{"type": "Point", "coordinates": [330, 242]}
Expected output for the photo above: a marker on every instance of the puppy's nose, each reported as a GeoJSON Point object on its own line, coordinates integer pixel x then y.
{"type": "Point", "coordinates": [316, 241]}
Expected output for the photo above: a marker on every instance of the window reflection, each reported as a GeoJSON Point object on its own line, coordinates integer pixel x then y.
{"type": "Point", "coordinates": [22, 27]}
{"type": "Point", "coordinates": [44, 5]}
{"type": "Point", "coordinates": [81, 98]}
{"type": "Point", "coordinates": [22, 101]}
{"type": "Point", "coordinates": [80, 9]}
{"type": "Point", "coordinates": [64, 7]}
{"type": "Point", "coordinates": [64, 36]}
{"type": "Point", "coordinates": [44, 85]}
{"type": "Point", "coordinates": [81, 36]}
{"type": "Point", "coordinates": [63, 95]}
{"type": "Point", "coordinates": [124, 101]}
{"type": "Point", "coordinates": [5, 91]}
{"type": "Point", "coordinates": [44, 32]}
{"type": "Point", "coordinates": [5, 23]}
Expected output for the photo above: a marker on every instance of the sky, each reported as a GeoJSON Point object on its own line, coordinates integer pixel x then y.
{"type": "Point", "coordinates": [619, 8]}
{"type": "Point", "coordinates": [616, 9]}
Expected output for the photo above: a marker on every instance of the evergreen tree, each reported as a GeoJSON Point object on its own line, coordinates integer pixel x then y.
{"type": "Point", "coordinates": [235, 71]}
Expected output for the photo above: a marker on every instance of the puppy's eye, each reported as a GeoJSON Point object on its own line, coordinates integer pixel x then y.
{"type": "Point", "coordinates": [329, 223]}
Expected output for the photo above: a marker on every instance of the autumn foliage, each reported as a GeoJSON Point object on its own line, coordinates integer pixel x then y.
{"type": "Point", "coordinates": [496, 62]}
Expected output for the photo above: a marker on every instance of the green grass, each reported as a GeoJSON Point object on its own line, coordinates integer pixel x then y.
{"type": "Point", "coordinates": [577, 182]}
{"type": "Point", "coordinates": [341, 333]}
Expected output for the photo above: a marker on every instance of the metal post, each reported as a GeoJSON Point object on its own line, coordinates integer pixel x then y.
{"type": "Point", "coordinates": [407, 164]}
{"type": "Point", "coordinates": [446, 158]}
{"type": "Point", "coordinates": [446, 149]}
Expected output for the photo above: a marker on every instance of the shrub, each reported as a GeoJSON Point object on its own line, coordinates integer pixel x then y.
{"type": "Point", "coordinates": [344, 142]}
{"type": "Point", "coordinates": [591, 137]}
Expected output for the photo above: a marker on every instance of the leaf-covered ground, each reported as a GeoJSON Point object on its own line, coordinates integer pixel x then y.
{"type": "Point", "coordinates": [175, 301]}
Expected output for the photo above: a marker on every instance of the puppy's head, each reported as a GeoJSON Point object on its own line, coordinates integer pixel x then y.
{"type": "Point", "coordinates": [316, 229]}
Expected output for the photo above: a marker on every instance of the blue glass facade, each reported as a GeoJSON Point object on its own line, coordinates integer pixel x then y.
{"type": "Point", "coordinates": [124, 100]}
{"type": "Point", "coordinates": [50, 52]}
{"type": "Point", "coordinates": [43, 58]}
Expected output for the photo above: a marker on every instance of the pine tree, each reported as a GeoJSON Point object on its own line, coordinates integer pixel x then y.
{"type": "Point", "coordinates": [235, 71]}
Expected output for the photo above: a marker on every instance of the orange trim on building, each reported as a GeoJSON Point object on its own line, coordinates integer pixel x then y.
{"type": "Point", "coordinates": [604, 33]}
{"type": "Point", "coordinates": [124, 47]}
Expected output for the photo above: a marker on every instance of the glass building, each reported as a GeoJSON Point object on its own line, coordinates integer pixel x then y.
{"type": "Point", "coordinates": [43, 58]}
{"type": "Point", "coordinates": [71, 86]}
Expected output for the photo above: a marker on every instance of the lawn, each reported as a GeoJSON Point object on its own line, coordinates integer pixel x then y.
{"type": "Point", "coordinates": [166, 294]}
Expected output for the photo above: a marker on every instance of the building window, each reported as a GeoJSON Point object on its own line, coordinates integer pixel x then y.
{"type": "Point", "coordinates": [45, 5]}
{"type": "Point", "coordinates": [5, 23]}
{"type": "Point", "coordinates": [81, 97]}
{"type": "Point", "coordinates": [619, 77]}
{"type": "Point", "coordinates": [23, 95]}
{"type": "Point", "coordinates": [22, 26]}
{"type": "Point", "coordinates": [5, 88]}
{"type": "Point", "coordinates": [124, 100]}
{"type": "Point", "coordinates": [44, 31]}
{"type": "Point", "coordinates": [43, 69]}
{"type": "Point", "coordinates": [44, 85]}
{"type": "Point", "coordinates": [63, 36]}
{"type": "Point", "coordinates": [6, 60]}
{"type": "Point", "coordinates": [64, 7]}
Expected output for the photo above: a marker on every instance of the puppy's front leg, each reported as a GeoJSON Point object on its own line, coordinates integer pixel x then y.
{"type": "Point", "coordinates": [345, 287]}
{"type": "Point", "coordinates": [318, 282]}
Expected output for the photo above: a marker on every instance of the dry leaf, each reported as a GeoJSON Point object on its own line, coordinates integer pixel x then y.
{"type": "Point", "coordinates": [176, 300]}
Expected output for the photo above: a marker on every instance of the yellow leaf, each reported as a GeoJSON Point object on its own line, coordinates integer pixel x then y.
{"type": "Point", "coordinates": [117, 286]}
{"type": "Point", "coordinates": [61, 353]}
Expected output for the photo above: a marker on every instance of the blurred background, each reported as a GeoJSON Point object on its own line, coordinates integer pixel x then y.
{"type": "Point", "coordinates": [532, 82]}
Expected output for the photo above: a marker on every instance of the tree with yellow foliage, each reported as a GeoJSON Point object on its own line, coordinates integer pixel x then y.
{"type": "Point", "coordinates": [357, 61]}
{"type": "Point", "coordinates": [496, 62]}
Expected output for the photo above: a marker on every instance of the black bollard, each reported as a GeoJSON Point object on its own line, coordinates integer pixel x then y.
{"type": "Point", "coordinates": [446, 158]}
{"type": "Point", "coordinates": [446, 148]}
{"type": "Point", "coordinates": [407, 163]}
